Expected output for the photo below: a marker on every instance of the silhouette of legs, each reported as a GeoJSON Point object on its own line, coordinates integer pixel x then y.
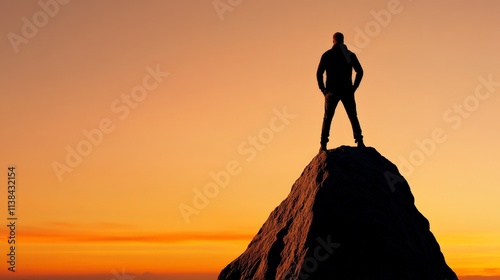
{"type": "Point", "coordinates": [331, 101]}
{"type": "Point", "coordinates": [350, 108]}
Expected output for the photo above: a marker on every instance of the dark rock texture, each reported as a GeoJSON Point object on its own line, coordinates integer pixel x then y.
{"type": "Point", "coordinates": [349, 216]}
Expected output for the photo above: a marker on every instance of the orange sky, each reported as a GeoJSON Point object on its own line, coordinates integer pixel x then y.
{"type": "Point", "coordinates": [116, 113]}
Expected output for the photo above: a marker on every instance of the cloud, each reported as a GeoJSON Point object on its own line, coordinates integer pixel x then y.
{"type": "Point", "coordinates": [108, 232]}
{"type": "Point", "coordinates": [105, 225]}
{"type": "Point", "coordinates": [477, 277]}
{"type": "Point", "coordinates": [491, 271]}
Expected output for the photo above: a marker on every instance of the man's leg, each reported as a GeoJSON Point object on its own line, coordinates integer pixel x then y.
{"type": "Point", "coordinates": [331, 101]}
{"type": "Point", "coordinates": [350, 108]}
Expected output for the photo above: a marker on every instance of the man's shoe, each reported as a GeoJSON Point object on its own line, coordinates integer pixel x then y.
{"type": "Point", "coordinates": [322, 148]}
{"type": "Point", "coordinates": [361, 144]}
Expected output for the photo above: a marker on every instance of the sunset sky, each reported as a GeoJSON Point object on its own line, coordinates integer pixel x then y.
{"type": "Point", "coordinates": [120, 115]}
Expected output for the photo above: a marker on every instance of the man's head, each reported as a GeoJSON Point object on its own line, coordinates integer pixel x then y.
{"type": "Point", "coordinates": [338, 38]}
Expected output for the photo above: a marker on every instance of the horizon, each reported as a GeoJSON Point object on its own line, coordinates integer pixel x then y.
{"type": "Point", "coordinates": [156, 137]}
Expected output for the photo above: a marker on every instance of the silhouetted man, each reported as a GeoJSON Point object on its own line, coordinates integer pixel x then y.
{"type": "Point", "coordinates": [338, 63]}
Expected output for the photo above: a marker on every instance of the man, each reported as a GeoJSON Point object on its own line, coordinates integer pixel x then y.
{"type": "Point", "coordinates": [338, 63]}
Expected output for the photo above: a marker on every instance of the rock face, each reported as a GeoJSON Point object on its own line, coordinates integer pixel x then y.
{"type": "Point", "coordinates": [349, 216]}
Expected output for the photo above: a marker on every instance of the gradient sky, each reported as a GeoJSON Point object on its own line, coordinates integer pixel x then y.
{"type": "Point", "coordinates": [431, 67]}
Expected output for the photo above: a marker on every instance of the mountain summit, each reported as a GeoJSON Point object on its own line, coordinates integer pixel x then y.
{"type": "Point", "coordinates": [350, 216]}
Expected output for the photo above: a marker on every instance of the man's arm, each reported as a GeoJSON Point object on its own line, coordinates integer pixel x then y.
{"type": "Point", "coordinates": [359, 71]}
{"type": "Point", "coordinates": [319, 75]}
